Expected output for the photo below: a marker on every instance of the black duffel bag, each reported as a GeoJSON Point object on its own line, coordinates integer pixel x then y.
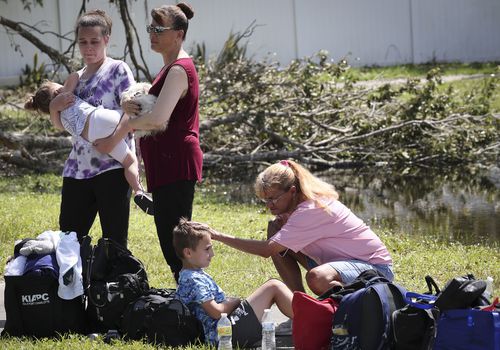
{"type": "Point", "coordinates": [160, 318]}
{"type": "Point", "coordinates": [33, 308]}
{"type": "Point", "coordinates": [114, 278]}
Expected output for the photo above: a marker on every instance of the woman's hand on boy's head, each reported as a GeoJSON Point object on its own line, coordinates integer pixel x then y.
{"type": "Point", "coordinates": [204, 227]}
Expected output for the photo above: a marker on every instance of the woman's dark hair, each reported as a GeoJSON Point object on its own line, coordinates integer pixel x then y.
{"type": "Point", "coordinates": [180, 15]}
{"type": "Point", "coordinates": [95, 18]}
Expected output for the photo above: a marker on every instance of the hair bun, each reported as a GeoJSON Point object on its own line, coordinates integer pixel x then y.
{"type": "Point", "coordinates": [30, 103]}
{"type": "Point", "coordinates": [187, 9]}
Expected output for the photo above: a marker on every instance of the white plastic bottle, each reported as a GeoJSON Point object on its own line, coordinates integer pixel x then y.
{"type": "Point", "coordinates": [224, 333]}
{"type": "Point", "coordinates": [268, 332]}
{"type": "Point", "coordinates": [489, 287]}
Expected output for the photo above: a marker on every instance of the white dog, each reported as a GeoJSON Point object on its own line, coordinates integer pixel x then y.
{"type": "Point", "coordinates": [138, 93]}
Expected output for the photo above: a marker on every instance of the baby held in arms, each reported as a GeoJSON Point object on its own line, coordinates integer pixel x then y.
{"type": "Point", "coordinates": [84, 120]}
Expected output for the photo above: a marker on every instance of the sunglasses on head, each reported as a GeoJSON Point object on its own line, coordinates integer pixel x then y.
{"type": "Point", "coordinates": [157, 29]}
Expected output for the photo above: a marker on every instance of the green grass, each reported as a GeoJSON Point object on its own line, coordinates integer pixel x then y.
{"type": "Point", "coordinates": [30, 205]}
{"type": "Point", "coordinates": [420, 70]}
{"type": "Point", "coordinates": [464, 87]}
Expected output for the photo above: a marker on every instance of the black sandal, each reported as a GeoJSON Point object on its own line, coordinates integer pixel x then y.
{"type": "Point", "coordinates": [145, 202]}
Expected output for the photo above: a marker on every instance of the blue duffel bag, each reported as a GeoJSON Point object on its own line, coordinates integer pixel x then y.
{"type": "Point", "coordinates": [461, 324]}
{"type": "Point", "coordinates": [468, 329]}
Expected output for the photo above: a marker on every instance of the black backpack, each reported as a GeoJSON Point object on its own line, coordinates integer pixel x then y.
{"type": "Point", "coordinates": [114, 278]}
{"type": "Point", "coordinates": [161, 319]}
{"type": "Point", "coordinates": [415, 325]}
{"type": "Point", "coordinates": [462, 293]}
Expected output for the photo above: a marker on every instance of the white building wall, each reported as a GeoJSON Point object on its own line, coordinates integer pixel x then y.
{"type": "Point", "coordinates": [376, 32]}
{"type": "Point", "coordinates": [456, 30]}
{"type": "Point", "coordinates": [366, 32]}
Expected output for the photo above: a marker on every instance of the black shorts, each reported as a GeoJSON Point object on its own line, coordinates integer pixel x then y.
{"type": "Point", "coordinates": [247, 329]}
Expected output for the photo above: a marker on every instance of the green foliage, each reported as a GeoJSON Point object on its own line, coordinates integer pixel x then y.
{"type": "Point", "coordinates": [231, 51]}
{"type": "Point", "coordinates": [316, 109]}
{"type": "Point", "coordinates": [34, 75]}
{"type": "Point", "coordinates": [199, 54]}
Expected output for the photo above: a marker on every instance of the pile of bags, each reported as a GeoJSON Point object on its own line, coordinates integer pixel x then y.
{"type": "Point", "coordinates": [56, 284]}
{"type": "Point", "coordinates": [373, 313]}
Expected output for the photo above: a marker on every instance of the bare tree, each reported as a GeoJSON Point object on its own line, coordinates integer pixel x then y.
{"type": "Point", "coordinates": [66, 59]}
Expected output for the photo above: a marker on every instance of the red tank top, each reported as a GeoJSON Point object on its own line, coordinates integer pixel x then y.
{"type": "Point", "coordinates": [175, 154]}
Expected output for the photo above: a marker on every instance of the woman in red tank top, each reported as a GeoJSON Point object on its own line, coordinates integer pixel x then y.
{"type": "Point", "coordinates": [172, 156]}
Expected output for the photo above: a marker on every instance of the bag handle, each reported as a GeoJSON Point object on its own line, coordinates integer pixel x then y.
{"type": "Point", "coordinates": [380, 289]}
{"type": "Point", "coordinates": [424, 301]}
{"type": "Point", "coordinates": [432, 284]}
{"type": "Point", "coordinates": [496, 326]}
{"type": "Point", "coordinates": [375, 280]}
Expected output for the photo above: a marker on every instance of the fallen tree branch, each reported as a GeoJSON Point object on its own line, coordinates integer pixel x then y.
{"type": "Point", "coordinates": [49, 51]}
{"type": "Point", "coordinates": [37, 165]}
{"type": "Point", "coordinates": [17, 140]}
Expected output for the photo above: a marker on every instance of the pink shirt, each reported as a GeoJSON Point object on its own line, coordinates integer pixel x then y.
{"type": "Point", "coordinates": [327, 237]}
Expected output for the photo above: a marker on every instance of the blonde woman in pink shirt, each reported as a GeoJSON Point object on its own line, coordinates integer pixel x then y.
{"type": "Point", "coordinates": [312, 228]}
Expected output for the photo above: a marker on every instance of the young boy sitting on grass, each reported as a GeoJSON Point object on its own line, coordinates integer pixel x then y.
{"type": "Point", "coordinates": [206, 300]}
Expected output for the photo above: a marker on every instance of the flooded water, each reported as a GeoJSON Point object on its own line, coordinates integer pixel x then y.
{"type": "Point", "coordinates": [453, 206]}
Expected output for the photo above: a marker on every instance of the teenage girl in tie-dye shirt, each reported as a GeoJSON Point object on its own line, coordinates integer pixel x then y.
{"type": "Point", "coordinates": [94, 182]}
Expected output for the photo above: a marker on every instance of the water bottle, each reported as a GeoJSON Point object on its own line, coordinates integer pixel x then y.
{"type": "Point", "coordinates": [489, 287]}
{"type": "Point", "coordinates": [268, 334]}
{"type": "Point", "coordinates": [224, 333]}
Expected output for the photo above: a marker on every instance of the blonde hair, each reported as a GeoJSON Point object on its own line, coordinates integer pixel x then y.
{"type": "Point", "coordinates": [186, 236]}
{"type": "Point", "coordinates": [287, 173]}
{"type": "Point", "coordinates": [180, 15]}
{"type": "Point", "coordinates": [40, 100]}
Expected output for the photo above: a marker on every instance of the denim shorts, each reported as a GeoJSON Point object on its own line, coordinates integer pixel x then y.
{"type": "Point", "coordinates": [350, 269]}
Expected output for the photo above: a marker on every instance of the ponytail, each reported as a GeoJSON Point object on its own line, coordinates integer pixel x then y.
{"type": "Point", "coordinates": [30, 104]}
{"type": "Point", "coordinates": [288, 173]}
{"type": "Point", "coordinates": [311, 186]}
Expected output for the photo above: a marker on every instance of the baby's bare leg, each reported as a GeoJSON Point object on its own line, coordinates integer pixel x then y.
{"type": "Point", "coordinates": [131, 167]}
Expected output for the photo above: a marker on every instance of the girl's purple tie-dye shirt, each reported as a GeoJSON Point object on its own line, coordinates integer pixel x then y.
{"type": "Point", "coordinates": [103, 89]}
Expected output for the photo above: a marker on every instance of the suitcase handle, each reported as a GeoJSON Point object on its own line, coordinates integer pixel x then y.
{"type": "Point", "coordinates": [423, 301]}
